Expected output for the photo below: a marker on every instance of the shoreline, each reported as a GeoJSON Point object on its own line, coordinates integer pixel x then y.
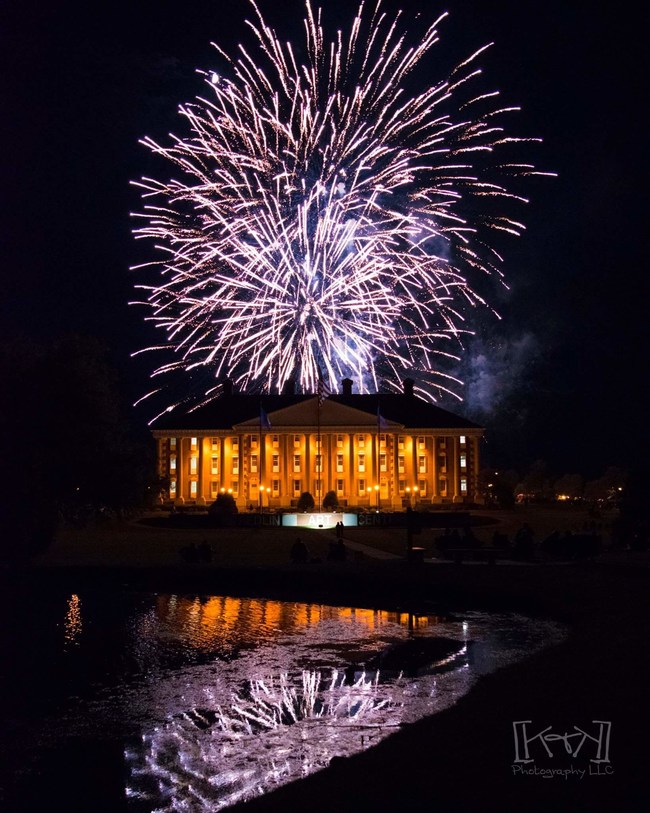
{"type": "Point", "coordinates": [463, 755]}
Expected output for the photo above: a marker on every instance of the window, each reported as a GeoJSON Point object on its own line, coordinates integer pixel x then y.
{"type": "Point", "coordinates": [296, 462]}
{"type": "Point", "coordinates": [463, 440]}
{"type": "Point", "coordinates": [339, 441]}
{"type": "Point", "coordinates": [400, 463]}
{"type": "Point", "coordinates": [422, 464]}
{"type": "Point", "coordinates": [421, 442]}
{"type": "Point", "coordinates": [254, 462]}
{"type": "Point", "coordinates": [422, 486]}
{"type": "Point", "coordinates": [253, 440]}
{"type": "Point", "coordinates": [401, 486]}
{"type": "Point", "coordinates": [340, 488]}
{"type": "Point", "coordinates": [234, 488]}
{"type": "Point", "coordinates": [318, 461]}
{"type": "Point", "coordinates": [235, 444]}
{"type": "Point", "coordinates": [276, 462]}
{"type": "Point", "coordinates": [214, 489]}
{"type": "Point", "coordinates": [275, 440]}
{"type": "Point", "coordinates": [362, 462]}
{"type": "Point", "coordinates": [442, 463]}
{"type": "Point", "coordinates": [172, 488]}
{"type": "Point", "coordinates": [297, 488]}
{"type": "Point", "coordinates": [443, 443]}
{"type": "Point", "coordinates": [193, 442]}
{"type": "Point", "coordinates": [215, 444]}
{"type": "Point", "coordinates": [400, 442]}
{"type": "Point", "coordinates": [172, 463]}
{"type": "Point", "coordinates": [463, 461]}
{"type": "Point", "coordinates": [339, 462]}
{"type": "Point", "coordinates": [296, 440]}
{"type": "Point", "coordinates": [214, 465]}
{"type": "Point", "coordinates": [193, 487]}
{"type": "Point", "coordinates": [172, 443]}
{"type": "Point", "coordinates": [193, 464]}
{"type": "Point", "coordinates": [275, 488]}
{"type": "Point", "coordinates": [235, 465]}
{"type": "Point", "coordinates": [361, 440]}
{"type": "Point", "coordinates": [362, 488]}
{"type": "Point", "coordinates": [382, 461]}
{"type": "Point", "coordinates": [318, 487]}
{"type": "Point", "coordinates": [382, 440]}
{"type": "Point", "coordinates": [463, 485]}
{"type": "Point", "coordinates": [319, 443]}
{"type": "Point", "coordinates": [442, 486]}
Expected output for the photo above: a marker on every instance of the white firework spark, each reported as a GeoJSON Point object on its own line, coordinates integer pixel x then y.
{"type": "Point", "coordinates": [324, 221]}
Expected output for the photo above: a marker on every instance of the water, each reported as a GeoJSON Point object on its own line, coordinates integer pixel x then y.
{"type": "Point", "coordinates": [209, 701]}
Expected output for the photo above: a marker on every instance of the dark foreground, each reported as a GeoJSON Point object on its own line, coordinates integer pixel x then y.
{"type": "Point", "coordinates": [462, 759]}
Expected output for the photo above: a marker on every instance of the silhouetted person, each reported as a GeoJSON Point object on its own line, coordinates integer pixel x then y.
{"type": "Point", "coordinates": [299, 552]}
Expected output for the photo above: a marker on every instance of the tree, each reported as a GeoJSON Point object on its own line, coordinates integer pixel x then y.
{"type": "Point", "coordinates": [223, 510]}
{"type": "Point", "coordinates": [330, 501]}
{"type": "Point", "coordinates": [305, 502]}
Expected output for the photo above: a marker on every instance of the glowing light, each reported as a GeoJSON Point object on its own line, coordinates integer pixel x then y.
{"type": "Point", "coordinates": [324, 220]}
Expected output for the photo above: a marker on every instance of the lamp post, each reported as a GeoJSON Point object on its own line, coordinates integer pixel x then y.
{"type": "Point", "coordinates": [378, 497]}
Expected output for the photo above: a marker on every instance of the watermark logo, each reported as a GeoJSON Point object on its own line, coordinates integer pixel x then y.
{"type": "Point", "coordinates": [587, 747]}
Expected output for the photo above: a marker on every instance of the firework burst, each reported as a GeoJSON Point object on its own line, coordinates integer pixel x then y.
{"type": "Point", "coordinates": [324, 220]}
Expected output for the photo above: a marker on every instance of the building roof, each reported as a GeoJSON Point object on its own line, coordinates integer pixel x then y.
{"type": "Point", "coordinates": [241, 409]}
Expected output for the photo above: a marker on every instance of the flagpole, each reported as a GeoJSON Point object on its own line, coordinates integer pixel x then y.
{"type": "Point", "coordinates": [259, 482]}
{"type": "Point", "coordinates": [377, 458]}
{"type": "Point", "coordinates": [319, 451]}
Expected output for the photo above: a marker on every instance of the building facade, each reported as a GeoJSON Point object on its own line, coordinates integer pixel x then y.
{"type": "Point", "coordinates": [382, 452]}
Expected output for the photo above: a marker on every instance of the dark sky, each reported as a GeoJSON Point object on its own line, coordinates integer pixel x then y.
{"type": "Point", "coordinates": [561, 377]}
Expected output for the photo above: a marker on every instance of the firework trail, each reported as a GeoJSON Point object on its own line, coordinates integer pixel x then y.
{"type": "Point", "coordinates": [323, 220]}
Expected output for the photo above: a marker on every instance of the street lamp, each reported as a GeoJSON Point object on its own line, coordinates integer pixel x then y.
{"type": "Point", "coordinates": [378, 498]}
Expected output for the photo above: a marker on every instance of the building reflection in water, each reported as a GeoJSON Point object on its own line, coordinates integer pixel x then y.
{"type": "Point", "coordinates": [72, 624]}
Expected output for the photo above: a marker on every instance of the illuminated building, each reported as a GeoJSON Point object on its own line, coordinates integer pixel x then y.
{"type": "Point", "coordinates": [385, 451]}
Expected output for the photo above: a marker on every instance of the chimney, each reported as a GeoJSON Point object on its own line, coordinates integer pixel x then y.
{"type": "Point", "coordinates": [346, 386]}
{"type": "Point", "coordinates": [408, 386]}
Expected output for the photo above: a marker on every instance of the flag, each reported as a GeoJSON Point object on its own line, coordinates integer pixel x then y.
{"type": "Point", "coordinates": [382, 423]}
{"type": "Point", "coordinates": [322, 391]}
{"type": "Point", "coordinates": [265, 423]}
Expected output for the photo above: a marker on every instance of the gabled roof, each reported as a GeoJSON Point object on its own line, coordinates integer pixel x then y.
{"type": "Point", "coordinates": [240, 409]}
{"type": "Point", "coordinates": [306, 413]}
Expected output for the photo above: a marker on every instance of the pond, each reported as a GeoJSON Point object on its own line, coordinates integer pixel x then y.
{"type": "Point", "coordinates": [195, 703]}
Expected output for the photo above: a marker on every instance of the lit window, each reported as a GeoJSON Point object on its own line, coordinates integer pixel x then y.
{"type": "Point", "coordinates": [235, 465]}
{"type": "Point", "coordinates": [297, 488]}
{"type": "Point", "coordinates": [296, 462]}
{"type": "Point", "coordinates": [400, 463]}
{"type": "Point", "coordinates": [172, 488]}
{"type": "Point", "coordinates": [421, 441]}
{"type": "Point", "coordinates": [172, 463]}
{"type": "Point", "coordinates": [463, 440]}
{"type": "Point", "coordinates": [340, 487]}
{"type": "Point", "coordinates": [422, 486]}
{"type": "Point", "coordinates": [214, 489]}
{"type": "Point", "coordinates": [193, 442]}
{"type": "Point", "coordinates": [382, 461]}
{"type": "Point", "coordinates": [382, 440]}
{"type": "Point", "coordinates": [172, 443]}
{"type": "Point", "coordinates": [275, 440]}
{"type": "Point", "coordinates": [362, 488]}
{"type": "Point", "coordinates": [276, 462]}
{"type": "Point", "coordinates": [193, 464]}
{"type": "Point", "coordinates": [318, 461]}
{"type": "Point", "coordinates": [214, 465]}
{"type": "Point", "coordinates": [253, 440]}
{"type": "Point", "coordinates": [253, 463]}
{"type": "Point", "coordinates": [275, 488]}
{"type": "Point", "coordinates": [215, 444]}
{"type": "Point", "coordinates": [401, 486]}
{"type": "Point", "coordinates": [339, 440]}
{"type": "Point", "coordinates": [442, 486]}
{"type": "Point", "coordinates": [234, 488]}
{"type": "Point", "coordinates": [400, 442]}
{"type": "Point", "coordinates": [362, 462]}
{"type": "Point", "coordinates": [463, 485]}
{"type": "Point", "coordinates": [193, 486]}
{"type": "Point", "coordinates": [296, 440]}
{"type": "Point", "coordinates": [422, 464]}
{"type": "Point", "coordinates": [361, 440]}
{"type": "Point", "coordinates": [463, 461]}
{"type": "Point", "coordinates": [339, 462]}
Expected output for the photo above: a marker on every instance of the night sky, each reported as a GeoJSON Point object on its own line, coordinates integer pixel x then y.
{"type": "Point", "coordinates": [561, 377]}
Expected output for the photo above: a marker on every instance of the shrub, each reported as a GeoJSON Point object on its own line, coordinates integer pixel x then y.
{"type": "Point", "coordinates": [305, 502]}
